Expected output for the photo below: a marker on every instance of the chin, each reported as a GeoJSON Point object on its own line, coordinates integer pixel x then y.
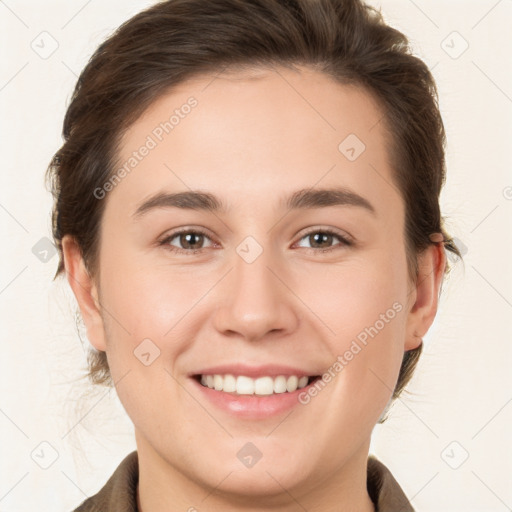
{"type": "Point", "coordinates": [267, 478]}
{"type": "Point", "coordinates": [268, 487]}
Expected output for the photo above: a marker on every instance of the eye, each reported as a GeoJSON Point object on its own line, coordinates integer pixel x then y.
{"type": "Point", "coordinates": [190, 240]}
{"type": "Point", "coordinates": [321, 240]}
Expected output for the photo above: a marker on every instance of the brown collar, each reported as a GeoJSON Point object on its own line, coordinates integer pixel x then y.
{"type": "Point", "coordinates": [119, 494]}
{"type": "Point", "coordinates": [384, 490]}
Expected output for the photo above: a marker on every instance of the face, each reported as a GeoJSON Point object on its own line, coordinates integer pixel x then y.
{"type": "Point", "coordinates": [258, 287]}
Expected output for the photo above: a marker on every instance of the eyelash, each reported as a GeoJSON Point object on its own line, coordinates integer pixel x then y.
{"type": "Point", "coordinates": [345, 241]}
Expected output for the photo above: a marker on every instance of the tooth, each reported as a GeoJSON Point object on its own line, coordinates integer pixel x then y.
{"type": "Point", "coordinates": [303, 381]}
{"type": "Point", "coordinates": [229, 383]}
{"type": "Point", "coordinates": [244, 385]}
{"type": "Point", "coordinates": [280, 384]}
{"type": "Point", "coordinates": [218, 382]}
{"type": "Point", "coordinates": [264, 386]}
{"type": "Point", "coordinates": [261, 386]}
{"type": "Point", "coordinates": [291, 383]}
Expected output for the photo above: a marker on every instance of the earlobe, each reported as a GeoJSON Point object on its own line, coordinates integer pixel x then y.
{"type": "Point", "coordinates": [85, 291]}
{"type": "Point", "coordinates": [431, 267]}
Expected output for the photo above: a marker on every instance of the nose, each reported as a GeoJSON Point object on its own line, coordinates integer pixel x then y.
{"type": "Point", "coordinates": [255, 300]}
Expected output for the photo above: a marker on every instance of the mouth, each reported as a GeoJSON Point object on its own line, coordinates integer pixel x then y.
{"type": "Point", "coordinates": [253, 391]}
{"type": "Point", "coordinates": [264, 385]}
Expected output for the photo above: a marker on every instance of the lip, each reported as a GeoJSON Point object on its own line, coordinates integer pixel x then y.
{"type": "Point", "coordinates": [251, 407]}
{"type": "Point", "coordinates": [269, 370]}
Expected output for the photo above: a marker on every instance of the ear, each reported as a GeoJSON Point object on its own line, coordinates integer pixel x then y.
{"type": "Point", "coordinates": [85, 291]}
{"type": "Point", "coordinates": [425, 294]}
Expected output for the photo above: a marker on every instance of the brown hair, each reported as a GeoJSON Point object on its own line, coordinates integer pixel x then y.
{"type": "Point", "coordinates": [177, 39]}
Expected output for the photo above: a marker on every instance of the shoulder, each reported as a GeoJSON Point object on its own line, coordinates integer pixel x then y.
{"type": "Point", "coordinates": [120, 491]}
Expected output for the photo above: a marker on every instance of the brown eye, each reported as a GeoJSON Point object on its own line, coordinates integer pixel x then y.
{"type": "Point", "coordinates": [191, 240]}
{"type": "Point", "coordinates": [186, 241]}
{"type": "Point", "coordinates": [322, 240]}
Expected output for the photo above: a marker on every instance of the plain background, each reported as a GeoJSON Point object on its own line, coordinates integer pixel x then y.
{"type": "Point", "coordinates": [447, 441]}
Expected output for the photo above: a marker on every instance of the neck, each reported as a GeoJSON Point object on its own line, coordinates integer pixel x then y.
{"type": "Point", "coordinates": [163, 487]}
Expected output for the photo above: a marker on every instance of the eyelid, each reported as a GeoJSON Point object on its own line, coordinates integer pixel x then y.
{"type": "Point", "coordinates": [345, 239]}
{"type": "Point", "coordinates": [343, 235]}
{"type": "Point", "coordinates": [164, 240]}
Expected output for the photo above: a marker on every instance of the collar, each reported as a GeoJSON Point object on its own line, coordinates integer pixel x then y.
{"type": "Point", "coordinates": [119, 494]}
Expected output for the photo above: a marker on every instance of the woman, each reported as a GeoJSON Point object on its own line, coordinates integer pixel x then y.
{"type": "Point", "coordinates": [247, 211]}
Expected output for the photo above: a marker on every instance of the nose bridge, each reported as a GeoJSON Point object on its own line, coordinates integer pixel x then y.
{"type": "Point", "coordinates": [256, 301]}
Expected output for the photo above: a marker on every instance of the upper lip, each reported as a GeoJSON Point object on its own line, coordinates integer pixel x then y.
{"type": "Point", "coordinates": [254, 371]}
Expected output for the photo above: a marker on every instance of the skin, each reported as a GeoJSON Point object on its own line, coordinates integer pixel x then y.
{"type": "Point", "coordinates": [253, 136]}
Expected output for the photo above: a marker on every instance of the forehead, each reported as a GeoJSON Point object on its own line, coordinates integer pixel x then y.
{"type": "Point", "coordinates": [259, 132]}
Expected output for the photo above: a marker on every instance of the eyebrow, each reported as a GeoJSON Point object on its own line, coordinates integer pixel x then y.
{"type": "Point", "coordinates": [301, 199]}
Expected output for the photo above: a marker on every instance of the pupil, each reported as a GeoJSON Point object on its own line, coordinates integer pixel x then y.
{"type": "Point", "coordinates": [187, 238]}
{"type": "Point", "coordinates": [318, 237]}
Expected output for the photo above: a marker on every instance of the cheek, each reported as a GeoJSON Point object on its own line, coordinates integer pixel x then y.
{"type": "Point", "coordinates": [366, 352]}
{"type": "Point", "coordinates": [150, 300]}
{"type": "Point", "coordinates": [153, 310]}
{"type": "Point", "coordinates": [361, 299]}
{"type": "Point", "coordinates": [365, 310]}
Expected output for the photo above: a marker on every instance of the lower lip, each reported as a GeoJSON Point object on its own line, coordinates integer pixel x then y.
{"type": "Point", "coordinates": [252, 406]}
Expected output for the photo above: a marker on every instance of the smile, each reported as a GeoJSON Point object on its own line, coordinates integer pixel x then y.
{"type": "Point", "coordinates": [253, 391]}
{"type": "Point", "coordinates": [261, 386]}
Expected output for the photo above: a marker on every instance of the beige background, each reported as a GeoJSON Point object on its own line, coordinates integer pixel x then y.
{"type": "Point", "coordinates": [459, 403]}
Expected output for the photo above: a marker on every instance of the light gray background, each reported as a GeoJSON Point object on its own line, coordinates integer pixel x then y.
{"type": "Point", "coordinates": [460, 398]}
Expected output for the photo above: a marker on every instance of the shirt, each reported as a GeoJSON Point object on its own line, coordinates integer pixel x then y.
{"type": "Point", "coordinates": [119, 494]}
